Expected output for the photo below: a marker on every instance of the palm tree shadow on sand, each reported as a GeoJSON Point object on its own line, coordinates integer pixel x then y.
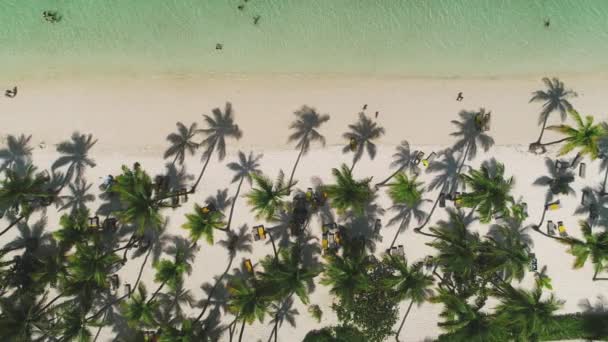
{"type": "Point", "coordinates": [17, 151]}
{"type": "Point", "coordinates": [469, 134]}
{"type": "Point", "coordinates": [363, 226]}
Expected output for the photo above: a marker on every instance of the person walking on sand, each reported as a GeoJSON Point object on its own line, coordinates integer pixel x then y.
{"type": "Point", "coordinates": [377, 114]}
{"type": "Point", "coordinates": [365, 106]}
{"type": "Point", "coordinates": [459, 97]}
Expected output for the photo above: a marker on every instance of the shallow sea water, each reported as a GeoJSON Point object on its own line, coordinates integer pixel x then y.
{"type": "Point", "coordinates": [403, 38]}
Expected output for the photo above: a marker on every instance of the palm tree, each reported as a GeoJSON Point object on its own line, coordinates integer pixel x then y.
{"type": "Point", "coordinates": [74, 229]}
{"type": "Point", "coordinates": [90, 264]}
{"type": "Point", "coordinates": [138, 206]}
{"type": "Point", "coordinates": [266, 198]}
{"type": "Point", "coordinates": [523, 312]}
{"type": "Point", "coordinates": [182, 143]}
{"type": "Point", "coordinates": [558, 181]}
{"type": "Point", "coordinates": [585, 137]}
{"type": "Point", "coordinates": [22, 191]}
{"type": "Point", "coordinates": [346, 275]}
{"type": "Point", "coordinates": [349, 193]}
{"type": "Point", "coordinates": [73, 325]}
{"type": "Point", "coordinates": [32, 238]}
{"type": "Point", "coordinates": [506, 251]}
{"type": "Point", "coordinates": [288, 275]}
{"type": "Point", "coordinates": [466, 322]}
{"type": "Point", "coordinates": [362, 134]}
{"type": "Point", "coordinates": [15, 321]}
{"type": "Point", "coordinates": [491, 192]}
{"type": "Point", "coordinates": [17, 151]}
{"type": "Point", "coordinates": [594, 247]}
{"type": "Point", "coordinates": [247, 302]}
{"type": "Point", "coordinates": [170, 273]}
{"type": "Point", "coordinates": [408, 282]}
{"type": "Point", "coordinates": [470, 134]}
{"type": "Point", "coordinates": [219, 127]}
{"type": "Point", "coordinates": [79, 197]}
{"type": "Point", "coordinates": [172, 302]}
{"type": "Point", "coordinates": [76, 155]}
{"type": "Point", "coordinates": [282, 312]}
{"type": "Point", "coordinates": [138, 310]}
{"type": "Point", "coordinates": [305, 126]}
{"type": "Point", "coordinates": [402, 159]}
{"type": "Point", "coordinates": [406, 195]}
{"type": "Point", "coordinates": [555, 98]}
{"type": "Point", "coordinates": [244, 168]}
{"type": "Point", "coordinates": [202, 223]}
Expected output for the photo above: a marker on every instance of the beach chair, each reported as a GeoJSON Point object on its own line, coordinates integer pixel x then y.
{"type": "Point", "coordinates": [524, 208]}
{"type": "Point", "coordinates": [550, 228]}
{"type": "Point", "coordinates": [114, 282]}
{"type": "Point", "coordinates": [400, 251]}
{"type": "Point", "coordinates": [94, 222]}
{"type": "Point", "coordinates": [324, 242]}
{"type": "Point", "coordinates": [331, 240]}
{"type": "Point", "coordinates": [418, 155]}
{"type": "Point", "coordinates": [442, 200]}
{"type": "Point", "coordinates": [584, 195]}
{"type": "Point", "coordinates": [561, 165]}
{"type": "Point", "coordinates": [582, 170]}
{"type": "Point", "coordinates": [248, 265]}
{"type": "Point", "coordinates": [110, 223]}
{"type": "Point", "coordinates": [377, 225]}
{"type": "Point", "coordinates": [352, 144]}
{"type": "Point", "coordinates": [327, 227]}
{"type": "Point", "coordinates": [208, 208]}
{"type": "Point", "coordinates": [428, 160]}
{"type": "Point", "coordinates": [428, 262]}
{"type": "Point", "coordinates": [338, 239]}
{"type": "Point", "coordinates": [553, 206]}
{"type": "Point", "coordinates": [533, 266]}
{"type": "Point", "coordinates": [486, 122]}
{"type": "Point", "coordinates": [309, 195]}
{"type": "Point", "coordinates": [457, 199]}
{"type": "Point", "coordinates": [259, 232]}
{"type": "Point", "coordinates": [184, 193]}
{"type": "Point", "coordinates": [128, 290]}
{"type": "Point", "coordinates": [562, 229]}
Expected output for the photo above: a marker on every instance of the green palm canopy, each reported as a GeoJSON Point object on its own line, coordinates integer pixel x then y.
{"type": "Point", "coordinates": [346, 275]}
{"type": "Point", "coordinates": [594, 247]}
{"type": "Point", "coordinates": [491, 192]}
{"type": "Point", "coordinates": [348, 193]}
{"type": "Point", "coordinates": [266, 197]}
{"type": "Point", "coordinates": [203, 222]}
{"type": "Point", "coordinates": [554, 99]}
{"type": "Point", "coordinates": [584, 137]}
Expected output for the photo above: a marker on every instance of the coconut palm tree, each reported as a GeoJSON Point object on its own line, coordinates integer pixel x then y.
{"type": "Point", "coordinates": [408, 283]}
{"type": "Point", "coordinates": [523, 312]}
{"type": "Point", "coordinates": [305, 127]}
{"type": "Point", "coordinates": [203, 222]}
{"type": "Point", "coordinates": [172, 302]}
{"type": "Point", "coordinates": [138, 310]}
{"type": "Point", "coordinates": [466, 322]}
{"type": "Point", "coordinates": [74, 230]}
{"type": "Point", "coordinates": [491, 192]}
{"type": "Point", "coordinates": [558, 181]}
{"type": "Point", "coordinates": [22, 191]}
{"type": "Point", "coordinates": [16, 319]}
{"type": "Point", "coordinates": [17, 151]}
{"type": "Point", "coordinates": [555, 99]}
{"type": "Point", "coordinates": [470, 134]}
{"type": "Point", "coordinates": [346, 275]}
{"type": "Point", "coordinates": [138, 205]}
{"type": "Point", "coordinates": [182, 143]}
{"type": "Point", "coordinates": [506, 251]}
{"type": "Point", "coordinates": [78, 198]}
{"type": "Point", "coordinates": [266, 198]}
{"type": "Point", "coordinates": [244, 168]}
{"type": "Point", "coordinates": [282, 312]}
{"type": "Point", "coordinates": [91, 264]}
{"type": "Point", "coordinates": [170, 272]}
{"type": "Point", "coordinates": [247, 302]}
{"type": "Point", "coordinates": [361, 138]}
{"type": "Point", "coordinates": [32, 238]}
{"type": "Point", "coordinates": [349, 193]}
{"type": "Point", "coordinates": [584, 137]}
{"type": "Point", "coordinates": [406, 195]}
{"type": "Point", "coordinates": [288, 275]}
{"type": "Point", "coordinates": [219, 127]}
{"type": "Point", "coordinates": [75, 155]}
{"type": "Point", "coordinates": [595, 206]}
{"type": "Point", "coordinates": [594, 247]}
{"type": "Point", "coordinates": [402, 160]}
{"type": "Point", "coordinates": [73, 325]}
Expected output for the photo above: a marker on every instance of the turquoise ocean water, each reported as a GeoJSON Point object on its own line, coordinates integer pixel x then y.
{"type": "Point", "coordinates": [406, 38]}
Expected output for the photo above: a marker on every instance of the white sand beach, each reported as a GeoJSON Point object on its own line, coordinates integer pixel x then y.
{"type": "Point", "coordinates": [131, 118]}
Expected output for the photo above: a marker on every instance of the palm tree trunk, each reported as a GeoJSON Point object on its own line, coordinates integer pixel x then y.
{"type": "Point", "coordinates": [595, 278]}
{"type": "Point", "coordinates": [390, 177]}
{"type": "Point", "coordinates": [236, 196]}
{"type": "Point", "coordinates": [175, 159]}
{"type": "Point", "coordinates": [200, 176]}
{"type": "Point", "coordinates": [97, 335]}
{"type": "Point", "coordinates": [141, 269]}
{"type": "Point", "coordinates": [397, 234]}
{"type": "Point", "coordinates": [274, 248]}
{"type": "Point", "coordinates": [156, 292]}
{"type": "Point", "coordinates": [604, 183]}
{"type": "Point", "coordinates": [219, 281]}
{"type": "Point", "coordinates": [293, 171]}
{"type": "Point", "coordinates": [47, 305]}
{"type": "Point", "coordinates": [556, 142]}
{"type": "Point", "coordinates": [403, 320]}
{"type": "Point", "coordinates": [242, 330]}
{"type": "Point", "coordinates": [275, 330]}
{"type": "Point", "coordinates": [353, 165]}
{"type": "Point", "coordinates": [542, 131]}
{"type": "Point", "coordinates": [12, 224]}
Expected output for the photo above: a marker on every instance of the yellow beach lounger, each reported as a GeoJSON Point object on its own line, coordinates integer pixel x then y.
{"type": "Point", "coordinates": [261, 232]}
{"type": "Point", "coordinates": [324, 242]}
{"type": "Point", "coordinates": [553, 206]}
{"type": "Point", "coordinates": [426, 161]}
{"type": "Point", "coordinates": [562, 229]}
{"type": "Point", "coordinates": [248, 265]}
